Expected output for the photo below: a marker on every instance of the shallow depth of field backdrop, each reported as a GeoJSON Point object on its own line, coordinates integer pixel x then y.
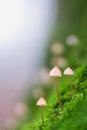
{"type": "Point", "coordinates": [34, 37]}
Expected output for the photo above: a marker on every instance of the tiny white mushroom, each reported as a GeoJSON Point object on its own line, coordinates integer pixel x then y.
{"type": "Point", "coordinates": [41, 103]}
{"type": "Point", "coordinates": [55, 73]}
{"type": "Point", "coordinates": [68, 71]}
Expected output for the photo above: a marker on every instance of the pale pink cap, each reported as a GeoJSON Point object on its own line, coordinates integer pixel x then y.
{"type": "Point", "coordinates": [55, 72]}
{"type": "Point", "coordinates": [41, 102]}
{"type": "Point", "coordinates": [68, 71]}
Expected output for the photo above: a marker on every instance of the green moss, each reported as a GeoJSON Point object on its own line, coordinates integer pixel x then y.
{"type": "Point", "coordinates": [80, 79]}
{"type": "Point", "coordinates": [77, 119]}
{"type": "Point", "coordinates": [74, 114]}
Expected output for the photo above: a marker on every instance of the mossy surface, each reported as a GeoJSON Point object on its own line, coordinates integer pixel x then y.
{"type": "Point", "coordinates": [74, 113]}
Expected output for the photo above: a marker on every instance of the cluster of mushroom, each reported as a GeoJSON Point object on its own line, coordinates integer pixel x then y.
{"type": "Point", "coordinates": [55, 73]}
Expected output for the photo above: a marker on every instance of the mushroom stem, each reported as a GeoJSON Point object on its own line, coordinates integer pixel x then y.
{"type": "Point", "coordinates": [41, 103]}
{"type": "Point", "coordinates": [42, 117]}
{"type": "Point", "coordinates": [72, 90]}
{"type": "Point", "coordinates": [58, 95]}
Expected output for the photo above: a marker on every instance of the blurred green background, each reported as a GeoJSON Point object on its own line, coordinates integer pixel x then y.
{"type": "Point", "coordinates": [71, 21]}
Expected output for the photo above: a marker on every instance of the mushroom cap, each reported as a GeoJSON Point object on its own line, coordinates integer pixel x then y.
{"type": "Point", "coordinates": [55, 72]}
{"type": "Point", "coordinates": [41, 102]}
{"type": "Point", "coordinates": [68, 71]}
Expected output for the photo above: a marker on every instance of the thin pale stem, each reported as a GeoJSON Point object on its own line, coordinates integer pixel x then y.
{"type": "Point", "coordinates": [72, 90]}
{"type": "Point", "coordinates": [58, 95]}
{"type": "Point", "coordinates": [42, 117]}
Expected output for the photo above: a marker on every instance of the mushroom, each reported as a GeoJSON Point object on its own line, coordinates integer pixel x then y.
{"type": "Point", "coordinates": [55, 73]}
{"type": "Point", "coordinates": [41, 103]}
{"type": "Point", "coordinates": [69, 72]}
